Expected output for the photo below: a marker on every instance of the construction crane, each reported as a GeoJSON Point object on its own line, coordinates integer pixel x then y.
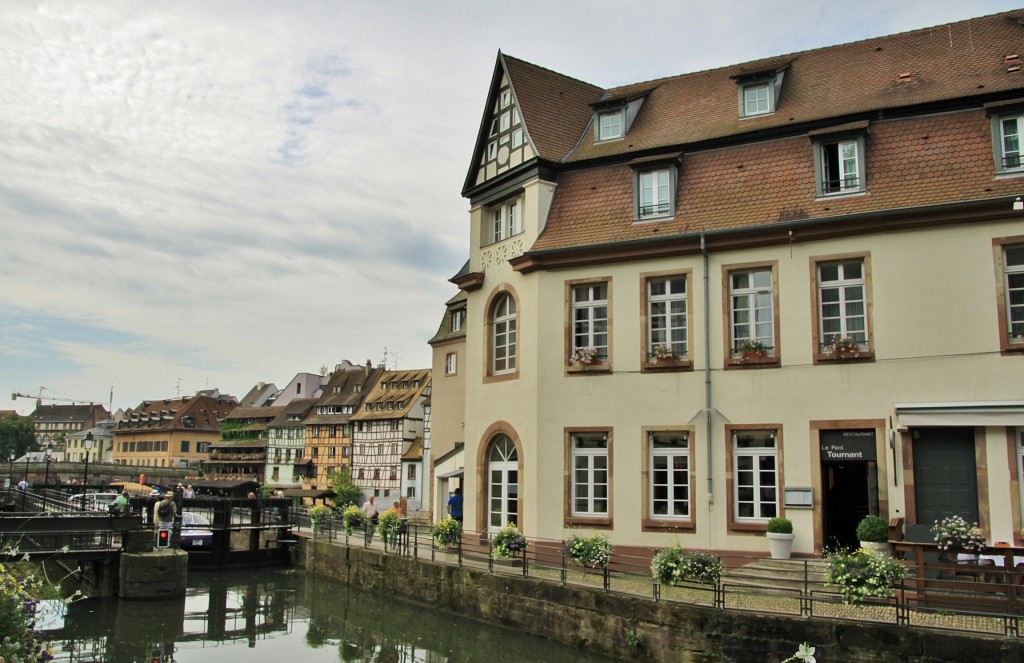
{"type": "Point", "coordinates": [39, 398]}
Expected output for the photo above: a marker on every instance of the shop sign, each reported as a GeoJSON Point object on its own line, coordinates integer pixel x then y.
{"type": "Point", "coordinates": [838, 445]}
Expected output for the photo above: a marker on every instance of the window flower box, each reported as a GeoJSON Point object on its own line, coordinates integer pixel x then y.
{"type": "Point", "coordinates": [751, 351]}
{"type": "Point", "coordinates": [844, 347]}
{"type": "Point", "coordinates": [584, 356]}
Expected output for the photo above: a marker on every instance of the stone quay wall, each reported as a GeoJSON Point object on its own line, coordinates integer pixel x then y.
{"type": "Point", "coordinates": [638, 628]}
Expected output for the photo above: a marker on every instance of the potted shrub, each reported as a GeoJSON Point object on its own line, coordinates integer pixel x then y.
{"type": "Point", "coordinates": [873, 533]}
{"type": "Point", "coordinates": [954, 536]}
{"type": "Point", "coordinates": [780, 537]}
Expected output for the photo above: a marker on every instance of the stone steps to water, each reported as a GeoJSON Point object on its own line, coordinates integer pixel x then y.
{"type": "Point", "coordinates": [780, 576]}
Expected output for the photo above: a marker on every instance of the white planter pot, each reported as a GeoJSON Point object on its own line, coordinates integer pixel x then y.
{"type": "Point", "coordinates": [881, 546]}
{"type": "Point", "coordinates": [780, 545]}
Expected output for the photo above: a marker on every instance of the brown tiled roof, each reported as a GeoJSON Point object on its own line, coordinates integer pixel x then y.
{"type": "Point", "coordinates": [66, 413]}
{"type": "Point", "coordinates": [929, 160]}
{"type": "Point", "coordinates": [555, 107]}
{"type": "Point", "coordinates": [257, 413]}
{"type": "Point", "coordinates": [961, 59]}
{"type": "Point", "coordinates": [168, 414]}
{"type": "Point", "coordinates": [300, 407]}
{"type": "Point", "coordinates": [406, 396]}
{"type": "Point", "coordinates": [444, 330]}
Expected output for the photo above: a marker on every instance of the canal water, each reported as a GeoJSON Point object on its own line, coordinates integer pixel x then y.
{"type": "Point", "coordinates": [284, 616]}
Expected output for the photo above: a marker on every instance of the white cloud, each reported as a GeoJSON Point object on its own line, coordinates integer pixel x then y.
{"type": "Point", "coordinates": [238, 191]}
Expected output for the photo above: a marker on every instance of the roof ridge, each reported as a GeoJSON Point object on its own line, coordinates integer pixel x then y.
{"type": "Point", "coordinates": [795, 54]}
{"type": "Point", "coordinates": [550, 71]}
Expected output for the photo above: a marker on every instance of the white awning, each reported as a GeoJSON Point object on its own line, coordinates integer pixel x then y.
{"type": "Point", "coordinates": [991, 413]}
{"type": "Point", "coordinates": [453, 473]}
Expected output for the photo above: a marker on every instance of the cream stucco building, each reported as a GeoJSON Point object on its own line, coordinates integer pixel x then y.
{"type": "Point", "coordinates": [793, 293]}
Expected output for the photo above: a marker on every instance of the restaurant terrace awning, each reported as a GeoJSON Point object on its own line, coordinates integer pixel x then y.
{"type": "Point", "coordinates": [987, 413]}
{"type": "Point", "coordinates": [311, 493]}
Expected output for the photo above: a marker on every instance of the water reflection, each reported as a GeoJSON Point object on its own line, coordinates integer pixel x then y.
{"type": "Point", "coordinates": [277, 615]}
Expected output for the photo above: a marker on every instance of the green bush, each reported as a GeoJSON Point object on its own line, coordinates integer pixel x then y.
{"type": "Point", "coordinates": [780, 526]}
{"type": "Point", "coordinates": [863, 574]}
{"type": "Point", "coordinates": [320, 517]}
{"type": "Point", "coordinates": [447, 532]}
{"type": "Point", "coordinates": [873, 529]}
{"type": "Point", "coordinates": [353, 518]}
{"type": "Point", "coordinates": [18, 642]}
{"type": "Point", "coordinates": [388, 524]}
{"type": "Point", "coordinates": [674, 565]}
{"type": "Point", "coordinates": [592, 551]}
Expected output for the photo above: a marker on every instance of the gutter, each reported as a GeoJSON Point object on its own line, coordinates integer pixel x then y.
{"type": "Point", "coordinates": [707, 378]}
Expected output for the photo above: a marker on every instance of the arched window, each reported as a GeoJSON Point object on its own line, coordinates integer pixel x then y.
{"type": "Point", "coordinates": [503, 483]}
{"type": "Point", "coordinates": [503, 336]}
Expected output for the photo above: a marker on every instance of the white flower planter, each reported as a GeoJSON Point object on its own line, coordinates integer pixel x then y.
{"type": "Point", "coordinates": [882, 547]}
{"type": "Point", "coordinates": [780, 545]}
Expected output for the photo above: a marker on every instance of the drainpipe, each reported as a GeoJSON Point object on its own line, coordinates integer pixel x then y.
{"type": "Point", "coordinates": [707, 369]}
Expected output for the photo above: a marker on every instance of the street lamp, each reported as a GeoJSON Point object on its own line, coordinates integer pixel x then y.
{"type": "Point", "coordinates": [24, 493]}
{"type": "Point", "coordinates": [10, 478]}
{"type": "Point", "coordinates": [48, 452]}
{"type": "Point", "coordinates": [89, 441]}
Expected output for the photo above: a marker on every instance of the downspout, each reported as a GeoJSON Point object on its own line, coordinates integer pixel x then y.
{"type": "Point", "coordinates": [707, 370]}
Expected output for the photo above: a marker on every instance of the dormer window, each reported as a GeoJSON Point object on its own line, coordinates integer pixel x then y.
{"type": "Point", "coordinates": [839, 159]}
{"type": "Point", "coordinates": [610, 125]}
{"type": "Point", "coordinates": [654, 187]}
{"type": "Point", "coordinates": [759, 91]}
{"type": "Point", "coordinates": [757, 99]}
{"type": "Point", "coordinates": [457, 319]}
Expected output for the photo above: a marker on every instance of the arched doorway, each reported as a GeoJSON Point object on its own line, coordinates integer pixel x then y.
{"type": "Point", "coordinates": [502, 483]}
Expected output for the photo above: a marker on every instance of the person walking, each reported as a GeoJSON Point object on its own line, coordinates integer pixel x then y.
{"type": "Point", "coordinates": [455, 505]}
{"type": "Point", "coordinates": [370, 512]}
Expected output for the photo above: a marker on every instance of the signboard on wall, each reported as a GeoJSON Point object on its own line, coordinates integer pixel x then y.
{"type": "Point", "coordinates": [840, 445]}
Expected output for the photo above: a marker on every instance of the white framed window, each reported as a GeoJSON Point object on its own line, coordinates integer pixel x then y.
{"type": "Point", "coordinates": [757, 98]}
{"type": "Point", "coordinates": [1008, 148]}
{"type": "Point", "coordinates": [590, 317]}
{"type": "Point", "coordinates": [669, 472]}
{"type": "Point", "coordinates": [506, 98]}
{"type": "Point", "coordinates": [756, 471]}
{"type": "Point", "coordinates": [654, 193]}
{"type": "Point", "coordinates": [517, 138]}
{"type": "Point", "coordinates": [505, 221]}
{"type": "Point", "coordinates": [840, 166]}
{"type": "Point", "coordinates": [492, 151]}
{"type": "Point", "coordinates": [1013, 271]}
{"type": "Point", "coordinates": [497, 224]}
{"type": "Point", "coordinates": [449, 363]}
{"type": "Point", "coordinates": [458, 317]}
{"type": "Point", "coordinates": [752, 309]}
{"type": "Point", "coordinates": [590, 482]}
{"type": "Point", "coordinates": [609, 125]}
{"type": "Point", "coordinates": [842, 304]}
{"type": "Point", "coordinates": [667, 310]}
{"type": "Point", "coordinates": [503, 343]}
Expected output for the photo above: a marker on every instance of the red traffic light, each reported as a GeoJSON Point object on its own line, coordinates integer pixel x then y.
{"type": "Point", "coordinates": [163, 538]}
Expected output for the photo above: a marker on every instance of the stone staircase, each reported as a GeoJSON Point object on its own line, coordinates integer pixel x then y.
{"type": "Point", "coordinates": [779, 576]}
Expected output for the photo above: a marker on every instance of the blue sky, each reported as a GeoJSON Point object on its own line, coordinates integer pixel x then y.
{"type": "Point", "coordinates": [210, 194]}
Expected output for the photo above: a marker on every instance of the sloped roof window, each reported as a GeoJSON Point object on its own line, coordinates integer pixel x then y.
{"type": "Point", "coordinates": [610, 124]}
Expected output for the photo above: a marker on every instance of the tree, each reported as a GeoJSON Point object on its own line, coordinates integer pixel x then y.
{"type": "Point", "coordinates": [17, 434]}
{"type": "Point", "coordinates": [346, 491]}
